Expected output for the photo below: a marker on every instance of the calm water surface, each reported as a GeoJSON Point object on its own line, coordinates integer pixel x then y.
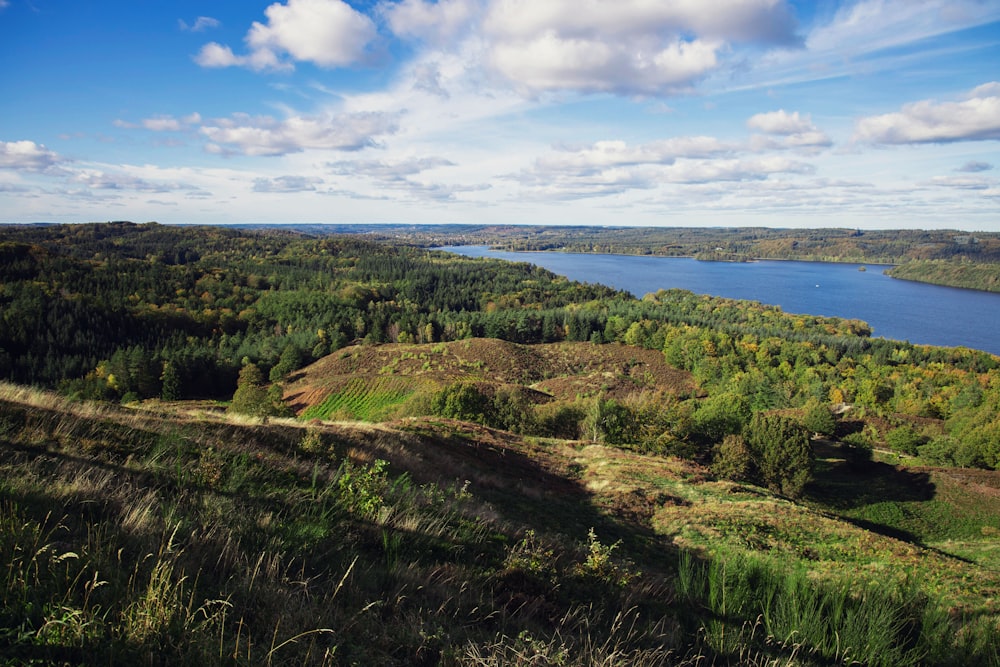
{"type": "Point", "coordinates": [896, 309]}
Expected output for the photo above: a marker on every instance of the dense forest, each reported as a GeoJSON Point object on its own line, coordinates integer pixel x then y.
{"type": "Point", "coordinates": [125, 312]}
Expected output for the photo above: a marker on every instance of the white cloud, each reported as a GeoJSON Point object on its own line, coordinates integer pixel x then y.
{"type": "Point", "coordinates": [626, 47]}
{"type": "Point", "coordinates": [781, 122]}
{"type": "Point", "coordinates": [930, 121]}
{"type": "Point", "coordinates": [167, 123]}
{"type": "Point", "coordinates": [614, 167]}
{"type": "Point", "coordinates": [328, 33]}
{"type": "Point", "coordinates": [287, 184]}
{"type": "Point", "coordinates": [201, 24]}
{"type": "Point", "coordinates": [28, 156]}
{"type": "Point", "coordinates": [399, 175]}
{"type": "Point", "coordinates": [434, 22]}
{"type": "Point", "coordinates": [387, 171]}
{"type": "Point", "coordinates": [605, 154]}
{"type": "Point", "coordinates": [786, 131]}
{"type": "Point", "coordinates": [963, 182]}
{"type": "Point", "coordinates": [121, 180]}
{"type": "Point", "coordinates": [264, 135]}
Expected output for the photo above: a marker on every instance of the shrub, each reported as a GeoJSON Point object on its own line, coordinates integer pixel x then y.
{"type": "Point", "coordinates": [904, 439]}
{"type": "Point", "coordinates": [782, 452]}
{"type": "Point", "coordinates": [463, 401]}
{"type": "Point", "coordinates": [818, 419]}
{"type": "Point", "coordinates": [733, 460]}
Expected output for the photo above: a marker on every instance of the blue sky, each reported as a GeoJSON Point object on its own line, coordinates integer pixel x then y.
{"type": "Point", "coordinates": [868, 113]}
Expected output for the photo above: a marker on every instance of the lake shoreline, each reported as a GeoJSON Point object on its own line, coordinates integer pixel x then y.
{"type": "Point", "coordinates": [916, 312]}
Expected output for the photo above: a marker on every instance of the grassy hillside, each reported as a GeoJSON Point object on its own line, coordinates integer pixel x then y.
{"type": "Point", "coordinates": [368, 382]}
{"type": "Point", "coordinates": [172, 534]}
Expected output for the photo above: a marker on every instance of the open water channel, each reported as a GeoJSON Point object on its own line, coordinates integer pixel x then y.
{"type": "Point", "coordinates": [896, 309]}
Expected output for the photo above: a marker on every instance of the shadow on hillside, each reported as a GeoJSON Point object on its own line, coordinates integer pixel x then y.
{"type": "Point", "coordinates": [530, 488]}
{"type": "Point", "coordinates": [841, 486]}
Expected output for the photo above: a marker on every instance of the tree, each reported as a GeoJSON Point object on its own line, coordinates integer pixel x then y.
{"type": "Point", "coordinates": [290, 360]}
{"type": "Point", "coordinates": [463, 401]}
{"type": "Point", "coordinates": [170, 382]}
{"type": "Point", "coordinates": [610, 422]}
{"type": "Point", "coordinates": [734, 460]}
{"type": "Point", "coordinates": [904, 439]}
{"type": "Point", "coordinates": [251, 397]}
{"type": "Point", "coordinates": [818, 419]}
{"type": "Point", "coordinates": [782, 452]}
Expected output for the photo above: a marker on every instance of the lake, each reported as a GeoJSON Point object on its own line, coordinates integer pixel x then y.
{"type": "Point", "coordinates": [895, 309]}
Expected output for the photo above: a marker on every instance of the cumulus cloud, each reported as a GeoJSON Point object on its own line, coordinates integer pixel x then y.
{"type": "Point", "coordinates": [201, 24]}
{"type": "Point", "coordinates": [287, 184]}
{"type": "Point", "coordinates": [28, 156]}
{"type": "Point", "coordinates": [780, 122]}
{"type": "Point", "coordinates": [433, 22]}
{"type": "Point", "coordinates": [328, 33]}
{"type": "Point", "coordinates": [609, 154]}
{"type": "Point", "coordinates": [929, 121]}
{"type": "Point", "coordinates": [627, 47]}
{"type": "Point", "coordinates": [264, 135]}
{"type": "Point", "coordinates": [785, 130]}
{"type": "Point", "coordinates": [614, 167]}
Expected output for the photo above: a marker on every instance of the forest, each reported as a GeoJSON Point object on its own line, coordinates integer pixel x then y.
{"type": "Point", "coordinates": [248, 446]}
{"type": "Point", "coordinates": [127, 312]}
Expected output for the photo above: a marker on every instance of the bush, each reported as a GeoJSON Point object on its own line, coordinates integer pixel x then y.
{"type": "Point", "coordinates": [904, 439]}
{"type": "Point", "coordinates": [818, 419]}
{"type": "Point", "coordinates": [781, 449]}
{"type": "Point", "coordinates": [733, 460]}
{"type": "Point", "coordinates": [462, 401]}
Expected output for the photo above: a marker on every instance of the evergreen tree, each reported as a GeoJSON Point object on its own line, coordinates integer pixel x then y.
{"type": "Point", "coordinates": [170, 382]}
{"type": "Point", "coordinates": [251, 397]}
{"type": "Point", "coordinates": [782, 453]}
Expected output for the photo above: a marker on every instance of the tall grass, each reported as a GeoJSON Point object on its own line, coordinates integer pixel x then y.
{"type": "Point", "coordinates": [746, 602]}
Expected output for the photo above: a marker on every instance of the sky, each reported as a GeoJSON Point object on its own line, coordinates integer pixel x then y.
{"type": "Point", "coordinates": [872, 114]}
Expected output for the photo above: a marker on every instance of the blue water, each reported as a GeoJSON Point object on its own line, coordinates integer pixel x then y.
{"type": "Point", "coordinates": [895, 309]}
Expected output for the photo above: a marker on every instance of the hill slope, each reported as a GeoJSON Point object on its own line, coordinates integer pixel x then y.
{"type": "Point", "coordinates": [366, 381]}
{"type": "Point", "coordinates": [167, 536]}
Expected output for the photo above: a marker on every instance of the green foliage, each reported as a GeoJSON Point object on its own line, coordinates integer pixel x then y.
{"type": "Point", "coordinates": [171, 382]}
{"type": "Point", "coordinates": [251, 396]}
{"type": "Point", "coordinates": [560, 420]}
{"type": "Point", "coordinates": [511, 410]}
{"type": "Point", "coordinates": [782, 453]}
{"type": "Point", "coordinates": [734, 460]}
{"type": "Point", "coordinates": [818, 418]}
{"type": "Point", "coordinates": [832, 622]}
{"type": "Point", "coordinates": [291, 359]}
{"type": "Point", "coordinates": [721, 415]}
{"type": "Point", "coordinates": [610, 422]}
{"type": "Point", "coordinates": [462, 400]}
{"type": "Point", "coordinates": [599, 564]}
{"type": "Point", "coordinates": [904, 439]}
{"type": "Point", "coordinates": [970, 275]}
{"type": "Point", "coordinates": [118, 310]}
